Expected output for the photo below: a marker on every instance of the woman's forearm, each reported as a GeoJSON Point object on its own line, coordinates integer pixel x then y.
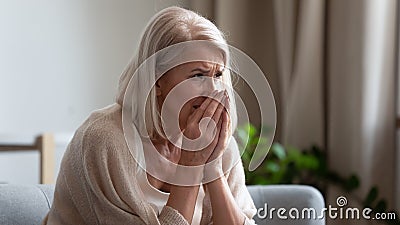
{"type": "Point", "coordinates": [224, 207]}
{"type": "Point", "coordinates": [183, 199]}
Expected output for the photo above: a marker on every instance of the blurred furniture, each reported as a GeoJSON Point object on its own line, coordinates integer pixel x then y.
{"type": "Point", "coordinates": [300, 197]}
{"type": "Point", "coordinates": [28, 204]}
{"type": "Point", "coordinates": [44, 143]}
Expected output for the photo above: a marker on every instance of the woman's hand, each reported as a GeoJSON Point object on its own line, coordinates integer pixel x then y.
{"type": "Point", "coordinates": [213, 168]}
{"type": "Point", "coordinates": [211, 108]}
{"type": "Point", "coordinates": [224, 133]}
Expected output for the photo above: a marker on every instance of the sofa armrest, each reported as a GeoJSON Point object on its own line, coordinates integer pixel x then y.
{"type": "Point", "coordinates": [24, 204]}
{"type": "Point", "coordinates": [295, 197]}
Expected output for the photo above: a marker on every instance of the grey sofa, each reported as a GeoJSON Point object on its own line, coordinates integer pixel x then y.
{"type": "Point", "coordinates": [28, 204]}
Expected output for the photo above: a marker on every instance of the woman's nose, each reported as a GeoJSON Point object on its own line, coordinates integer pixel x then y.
{"type": "Point", "coordinates": [213, 84]}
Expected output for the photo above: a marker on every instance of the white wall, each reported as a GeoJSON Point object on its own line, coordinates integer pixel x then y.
{"type": "Point", "coordinates": [60, 60]}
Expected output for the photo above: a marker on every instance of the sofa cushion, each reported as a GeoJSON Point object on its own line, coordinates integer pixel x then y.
{"type": "Point", "coordinates": [24, 204]}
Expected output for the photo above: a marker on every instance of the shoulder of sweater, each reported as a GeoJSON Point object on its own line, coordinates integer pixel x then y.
{"type": "Point", "coordinates": [103, 126]}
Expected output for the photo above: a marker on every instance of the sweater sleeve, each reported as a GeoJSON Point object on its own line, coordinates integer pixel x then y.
{"type": "Point", "coordinates": [237, 185]}
{"type": "Point", "coordinates": [234, 173]}
{"type": "Point", "coordinates": [112, 190]}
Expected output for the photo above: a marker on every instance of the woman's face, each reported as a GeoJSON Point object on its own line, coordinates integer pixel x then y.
{"type": "Point", "coordinates": [188, 85]}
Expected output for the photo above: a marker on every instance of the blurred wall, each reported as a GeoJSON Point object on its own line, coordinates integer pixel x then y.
{"type": "Point", "coordinates": [59, 61]}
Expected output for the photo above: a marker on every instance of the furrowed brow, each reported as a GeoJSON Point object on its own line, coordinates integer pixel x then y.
{"type": "Point", "coordinates": [200, 70]}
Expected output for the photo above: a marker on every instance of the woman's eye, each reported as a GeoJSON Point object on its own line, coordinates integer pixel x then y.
{"type": "Point", "coordinates": [198, 75]}
{"type": "Point", "coordinates": [201, 76]}
{"type": "Point", "coordinates": [218, 75]}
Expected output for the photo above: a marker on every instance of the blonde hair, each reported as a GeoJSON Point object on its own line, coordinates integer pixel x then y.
{"type": "Point", "coordinates": [170, 26]}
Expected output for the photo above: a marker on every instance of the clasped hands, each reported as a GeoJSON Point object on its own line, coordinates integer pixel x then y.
{"type": "Point", "coordinates": [213, 132]}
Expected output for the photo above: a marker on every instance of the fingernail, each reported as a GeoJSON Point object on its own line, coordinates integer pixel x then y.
{"type": "Point", "coordinates": [227, 102]}
{"type": "Point", "coordinates": [223, 98]}
{"type": "Point", "coordinates": [213, 94]}
{"type": "Point", "coordinates": [221, 95]}
{"type": "Point", "coordinates": [226, 95]}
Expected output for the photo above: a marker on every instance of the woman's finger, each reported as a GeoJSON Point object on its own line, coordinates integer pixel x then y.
{"type": "Point", "coordinates": [198, 114]}
{"type": "Point", "coordinates": [217, 134]}
{"type": "Point", "coordinates": [218, 112]}
{"type": "Point", "coordinates": [224, 133]}
{"type": "Point", "coordinates": [227, 103]}
{"type": "Point", "coordinates": [212, 107]}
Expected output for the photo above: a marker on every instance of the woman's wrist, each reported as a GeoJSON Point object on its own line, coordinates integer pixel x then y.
{"type": "Point", "coordinates": [188, 175]}
{"type": "Point", "coordinates": [213, 170]}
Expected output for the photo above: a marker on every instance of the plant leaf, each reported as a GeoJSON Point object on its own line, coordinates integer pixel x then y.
{"type": "Point", "coordinates": [279, 151]}
{"type": "Point", "coordinates": [352, 183]}
{"type": "Point", "coordinates": [372, 194]}
{"type": "Point", "coordinates": [381, 206]}
{"type": "Point", "coordinates": [272, 167]}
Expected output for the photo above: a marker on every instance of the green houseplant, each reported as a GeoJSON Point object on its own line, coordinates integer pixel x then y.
{"type": "Point", "coordinates": [289, 165]}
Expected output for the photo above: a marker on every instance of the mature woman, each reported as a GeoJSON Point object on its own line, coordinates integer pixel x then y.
{"type": "Point", "coordinates": [112, 176]}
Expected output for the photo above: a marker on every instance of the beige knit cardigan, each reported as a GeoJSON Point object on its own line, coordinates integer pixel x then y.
{"type": "Point", "coordinates": [97, 184]}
